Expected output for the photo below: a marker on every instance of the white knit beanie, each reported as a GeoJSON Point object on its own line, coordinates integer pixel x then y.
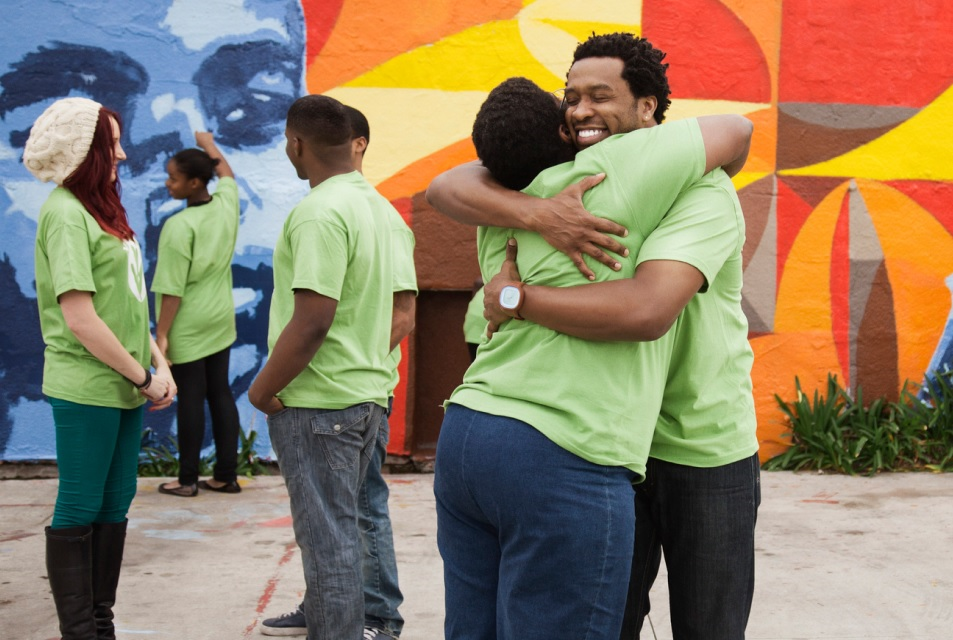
{"type": "Point", "coordinates": [60, 138]}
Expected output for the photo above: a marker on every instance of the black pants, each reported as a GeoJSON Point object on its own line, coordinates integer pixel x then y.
{"type": "Point", "coordinates": [703, 520]}
{"type": "Point", "coordinates": [198, 381]}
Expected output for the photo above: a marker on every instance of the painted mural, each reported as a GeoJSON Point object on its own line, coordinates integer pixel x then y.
{"type": "Point", "coordinates": [848, 192]}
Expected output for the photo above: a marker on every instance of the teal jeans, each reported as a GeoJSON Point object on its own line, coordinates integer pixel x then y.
{"type": "Point", "coordinates": [97, 453]}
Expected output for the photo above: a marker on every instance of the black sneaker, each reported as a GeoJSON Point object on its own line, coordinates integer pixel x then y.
{"type": "Point", "coordinates": [287, 624]}
{"type": "Point", "coordinates": [376, 634]}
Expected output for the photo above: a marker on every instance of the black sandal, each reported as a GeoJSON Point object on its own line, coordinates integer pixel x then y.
{"type": "Point", "coordinates": [228, 487]}
{"type": "Point", "coordinates": [183, 491]}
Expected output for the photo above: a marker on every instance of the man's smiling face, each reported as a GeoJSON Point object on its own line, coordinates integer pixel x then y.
{"type": "Point", "coordinates": [600, 104]}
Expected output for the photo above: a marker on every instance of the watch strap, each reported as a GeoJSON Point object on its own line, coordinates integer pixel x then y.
{"type": "Point", "coordinates": [519, 305]}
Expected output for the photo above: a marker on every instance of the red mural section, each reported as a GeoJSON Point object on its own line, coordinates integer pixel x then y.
{"type": "Point", "coordinates": [712, 53]}
{"type": "Point", "coordinates": [865, 52]}
{"type": "Point", "coordinates": [847, 192]}
{"type": "Point", "coordinates": [844, 84]}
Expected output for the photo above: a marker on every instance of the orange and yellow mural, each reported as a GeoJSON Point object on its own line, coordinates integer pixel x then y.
{"type": "Point", "coordinates": [848, 192]}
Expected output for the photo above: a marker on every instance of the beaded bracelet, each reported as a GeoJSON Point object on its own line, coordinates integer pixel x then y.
{"type": "Point", "coordinates": [146, 383]}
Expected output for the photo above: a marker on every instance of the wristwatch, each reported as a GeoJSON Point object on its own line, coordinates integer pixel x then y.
{"type": "Point", "coordinates": [511, 299]}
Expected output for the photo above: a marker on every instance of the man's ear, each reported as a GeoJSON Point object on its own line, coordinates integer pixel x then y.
{"type": "Point", "coordinates": [358, 145]}
{"type": "Point", "coordinates": [564, 134]}
{"type": "Point", "coordinates": [647, 107]}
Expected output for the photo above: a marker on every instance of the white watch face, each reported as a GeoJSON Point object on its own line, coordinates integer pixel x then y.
{"type": "Point", "coordinates": [509, 297]}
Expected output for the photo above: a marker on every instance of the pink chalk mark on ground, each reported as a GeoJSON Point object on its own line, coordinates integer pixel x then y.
{"type": "Point", "coordinates": [822, 498]}
{"type": "Point", "coordinates": [277, 522]}
{"type": "Point", "coordinates": [17, 536]}
{"type": "Point", "coordinates": [234, 525]}
{"type": "Point", "coordinates": [270, 587]}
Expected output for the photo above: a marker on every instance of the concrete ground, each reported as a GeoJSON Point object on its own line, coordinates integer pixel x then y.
{"type": "Point", "coordinates": [838, 558]}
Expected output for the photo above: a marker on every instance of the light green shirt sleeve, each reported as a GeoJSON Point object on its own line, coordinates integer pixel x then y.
{"type": "Point", "coordinates": [320, 254]}
{"type": "Point", "coordinates": [70, 261]}
{"type": "Point", "coordinates": [405, 273]}
{"type": "Point", "coordinates": [702, 229]}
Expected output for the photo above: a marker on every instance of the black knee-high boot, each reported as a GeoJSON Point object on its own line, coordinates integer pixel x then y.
{"type": "Point", "coordinates": [69, 567]}
{"type": "Point", "coordinates": [109, 539]}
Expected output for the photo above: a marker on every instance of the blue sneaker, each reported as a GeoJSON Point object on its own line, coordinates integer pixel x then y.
{"type": "Point", "coordinates": [287, 624]}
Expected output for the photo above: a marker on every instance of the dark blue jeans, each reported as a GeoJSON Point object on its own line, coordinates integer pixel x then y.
{"type": "Point", "coordinates": [704, 521]}
{"type": "Point", "coordinates": [536, 542]}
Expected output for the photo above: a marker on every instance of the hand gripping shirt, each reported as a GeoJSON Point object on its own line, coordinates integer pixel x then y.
{"type": "Point", "coordinates": [598, 400]}
{"type": "Point", "coordinates": [195, 263]}
{"type": "Point", "coordinates": [337, 242]}
{"type": "Point", "coordinates": [73, 253]}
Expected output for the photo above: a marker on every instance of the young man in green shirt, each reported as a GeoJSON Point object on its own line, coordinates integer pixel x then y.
{"type": "Point", "coordinates": [535, 461]}
{"type": "Point", "coordinates": [382, 595]}
{"type": "Point", "coordinates": [699, 502]}
{"type": "Point", "coordinates": [325, 385]}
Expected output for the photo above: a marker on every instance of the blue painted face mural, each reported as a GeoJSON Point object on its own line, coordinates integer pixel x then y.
{"type": "Point", "coordinates": [169, 68]}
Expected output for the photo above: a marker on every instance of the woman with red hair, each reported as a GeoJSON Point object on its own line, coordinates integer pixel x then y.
{"type": "Point", "coordinates": [97, 375]}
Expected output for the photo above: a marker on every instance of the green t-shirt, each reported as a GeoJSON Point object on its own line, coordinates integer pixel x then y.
{"type": "Point", "coordinates": [74, 254]}
{"type": "Point", "coordinates": [195, 263]}
{"type": "Point", "coordinates": [337, 242]}
{"type": "Point", "coordinates": [707, 416]}
{"type": "Point", "coordinates": [474, 324]}
{"type": "Point", "coordinates": [405, 279]}
{"type": "Point", "coordinates": [598, 400]}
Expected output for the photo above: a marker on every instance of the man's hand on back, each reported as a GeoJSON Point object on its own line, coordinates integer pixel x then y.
{"type": "Point", "coordinates": [567, 226]}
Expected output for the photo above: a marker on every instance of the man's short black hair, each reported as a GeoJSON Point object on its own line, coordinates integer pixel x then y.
{"type": "Point", "coordinates": [643, 69]}
{"type": "Point", "coordinates": [359, 125]}
{"type": "Point", "coordinates": [516, 133]}
{"type": "Point", "coordinates": [320, 120]}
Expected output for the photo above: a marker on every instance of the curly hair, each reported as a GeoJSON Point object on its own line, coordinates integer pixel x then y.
{"type": "Point", "coordinates": [516, 133]}
{"type": "Point", "coordinates": [642, 69]}
{"type": "Point", "coordinates": [195, 163]}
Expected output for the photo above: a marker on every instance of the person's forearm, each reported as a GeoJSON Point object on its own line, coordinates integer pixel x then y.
{"type": "Point", "coordinates": [296, 345]}
{"type": "Point", "coordinates": [403, 319]}
{"type": "Point", "coordinates": [605, 311]}
{"type": "Point", "coordinates": [734, 167]}
{"type": "Point", "coordinates": [167, 312]}
{"type": "Point", "coordinates": [206, 142]}
{"type": "Point", "coordinates": [641, 308]}
{"type": "Point", "coordinates": [293, 350]}
{"type": "Point", "coordinates": [469, 195]}
{"type": "Point", "coordinates": [97, 337]}
{"type": "Point", "coordinates": [158, 358]}
{"type": "Point", "coordinates": [727, 139]}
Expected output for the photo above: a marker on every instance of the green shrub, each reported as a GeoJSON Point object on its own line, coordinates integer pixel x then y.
{"type": "Point", "coordinates": [837, 432]}
{"type": "Point", "coordinates": [163, 461]}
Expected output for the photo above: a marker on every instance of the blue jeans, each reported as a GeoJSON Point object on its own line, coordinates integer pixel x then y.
{"type": "Point", "coordinates": [704, 521]}
{"type": "Point", "coordinates": [97, 454]}
{"type": "Point", "coordinates": [382, 596]}
{"type": "Point", "coordinates": [323, 455]}
{"type": "Point", "coordinates": [536, 542]}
